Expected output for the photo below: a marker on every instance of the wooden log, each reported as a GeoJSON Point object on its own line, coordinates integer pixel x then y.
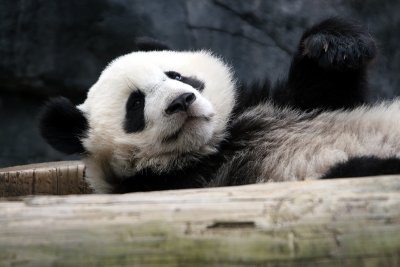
{"type": "Point", "coordinates": [52, 178]}
{"type": "Point", "coordinates": [343, 222]}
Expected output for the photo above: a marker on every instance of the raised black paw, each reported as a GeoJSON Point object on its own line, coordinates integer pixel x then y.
{"type": "Point", "coordinates": [338, 44]}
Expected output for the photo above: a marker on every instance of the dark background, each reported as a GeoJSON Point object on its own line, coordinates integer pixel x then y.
{"type": "Point", "coordinates": [50, 47]}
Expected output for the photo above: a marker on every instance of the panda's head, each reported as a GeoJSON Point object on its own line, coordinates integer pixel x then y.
{"type": "Point", "coordinates": [157, 110]}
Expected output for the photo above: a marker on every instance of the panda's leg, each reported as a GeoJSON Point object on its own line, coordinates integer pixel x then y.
{"type": "Point", "coordinates": [364, 166]}
{"type": "Point", "coordinates": [329, 69]}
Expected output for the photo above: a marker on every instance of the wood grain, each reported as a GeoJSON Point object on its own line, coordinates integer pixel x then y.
{"type": "Point", "coordinates": [53, 178]}
{"type": "Point", "coordinates": [343, 222]}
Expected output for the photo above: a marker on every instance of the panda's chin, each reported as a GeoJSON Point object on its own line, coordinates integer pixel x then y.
{"type": "Point", "coordinates": [186, 128]}
{"type": "Point", "coordinates": [194, 132]}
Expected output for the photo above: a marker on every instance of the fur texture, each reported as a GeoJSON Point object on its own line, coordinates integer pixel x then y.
{"type": "Point", "coordinates": [63, 125]}
{"type": "Point", "coordinates": [165, 120]}
{"type": "Point", "coordinates": [364, 166]}
{"type": "Point", "coordinates": [329, 69]}
{"type": "Point", "coordinates": [191, 134]}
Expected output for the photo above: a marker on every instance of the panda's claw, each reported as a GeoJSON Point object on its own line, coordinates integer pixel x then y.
{"type": "Point", "coordinates": [326, 45]}
{"type": "Point", "coordinates": [338, 44]}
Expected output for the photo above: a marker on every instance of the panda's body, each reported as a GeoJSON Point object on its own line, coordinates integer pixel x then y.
{"type": "Point", "coordinates": [285, 144]}
{"type": "Point", "coordinates": [165, 120]}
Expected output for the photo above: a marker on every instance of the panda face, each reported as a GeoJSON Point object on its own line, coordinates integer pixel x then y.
{"type": "Point", "coordinates": [157, 110]}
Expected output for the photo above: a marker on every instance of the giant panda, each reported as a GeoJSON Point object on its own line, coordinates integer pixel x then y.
{"type": "Point", "coordinates": [161, 119]}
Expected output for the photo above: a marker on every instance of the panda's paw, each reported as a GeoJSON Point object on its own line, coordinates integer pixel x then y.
{"type": "Point", "coordinates": [338, 44]}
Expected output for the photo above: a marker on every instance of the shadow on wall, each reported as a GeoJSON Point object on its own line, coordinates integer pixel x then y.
{"type": "Point", "coordinates": [50, 48]}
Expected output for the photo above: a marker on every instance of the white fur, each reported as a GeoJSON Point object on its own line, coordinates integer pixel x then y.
{"type": "Point", "coordinates": [310, 148]}
{"type": "Point", "coordinates": [112, 150]}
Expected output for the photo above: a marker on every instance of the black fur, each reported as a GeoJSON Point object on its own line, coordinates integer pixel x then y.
{"type": "Point", "coordinates": [150, 44]}
{"type": "Point", "coordinates": [197, 175]}
{"type": "Point", "coordinates": [192, 81]}
{"type": "Point", "coordinates": [329, 70]}
{"type": "Point", "coordinates": [134, 117]}
{"type": "Point", "coordinates": [364, 166]}
{"type": "Point", "coordinates": [63, 125]}
{"type": "Point", "coordinates": [249, 95]}
{"type": "Point", "coordinates": [147, 180]}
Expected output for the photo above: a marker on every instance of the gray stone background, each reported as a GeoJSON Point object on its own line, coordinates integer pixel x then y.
{"type": "Point", "coordinates": [50, 48]}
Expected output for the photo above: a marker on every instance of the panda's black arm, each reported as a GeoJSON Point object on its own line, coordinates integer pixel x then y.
{"type": "Point", "coordinates": [150, 181]}
{"type": "Point", "coordinates": [195, 175]}
{"type": "Point", "coordinates": [329, 69]}
{"type": "Point", "coordinates": [364, 166]}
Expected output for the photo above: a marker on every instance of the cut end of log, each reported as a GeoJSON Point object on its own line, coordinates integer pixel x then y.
{"type": "Point", "coordinates": [52, 178]}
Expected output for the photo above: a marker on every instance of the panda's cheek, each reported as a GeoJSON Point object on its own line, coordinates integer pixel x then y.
{"type": "Point", "coordinates": [156, 122]}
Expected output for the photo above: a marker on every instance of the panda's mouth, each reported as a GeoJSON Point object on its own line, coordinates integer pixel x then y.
{"type": "Point", "coordinates": [189, 120]}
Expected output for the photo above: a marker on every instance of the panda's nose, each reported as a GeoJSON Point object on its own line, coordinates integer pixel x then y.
{"type": "Point", "coordinates": [181, 103]}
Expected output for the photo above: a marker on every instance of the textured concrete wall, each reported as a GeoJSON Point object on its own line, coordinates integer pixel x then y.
{"type": "Point", "coordinates": [50, 48]}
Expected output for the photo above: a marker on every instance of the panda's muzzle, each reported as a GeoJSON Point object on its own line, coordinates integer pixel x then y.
{"type": "Point", "coordinates": [181, 103]}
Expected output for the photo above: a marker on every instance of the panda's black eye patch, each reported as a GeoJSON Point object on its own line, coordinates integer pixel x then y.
{"type": "Point", "coordinates": [174, 75]}
{"type": "Point", "coordinates": [134, 117]}
{"type": "Point", "coordinates": [195, 83]}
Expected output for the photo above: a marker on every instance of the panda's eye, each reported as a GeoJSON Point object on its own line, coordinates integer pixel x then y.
{"type": "Point", "coordinates": [190, 80]}
{"type": "Point", "coordinates": [136, 100]}
{"type": "Point", "coordinates": [174, 75]}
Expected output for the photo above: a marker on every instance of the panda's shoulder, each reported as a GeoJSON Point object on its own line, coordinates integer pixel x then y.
{"type": "Point", "coordinates": [252, 94]}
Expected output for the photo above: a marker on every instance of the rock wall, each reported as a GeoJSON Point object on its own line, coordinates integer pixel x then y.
{"type": "Point", "coordinates": [52, 48]}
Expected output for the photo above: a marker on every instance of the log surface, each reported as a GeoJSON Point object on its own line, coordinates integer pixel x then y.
{"type": "Point", "coordinates": [344, 222]}
{"type": "Point", "coordinates": [52, 178]}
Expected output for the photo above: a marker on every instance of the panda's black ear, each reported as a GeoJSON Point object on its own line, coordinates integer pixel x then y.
{"type": "Point", "coordinates": [63, 125]}
{"type": "Point", "coordinates": [150, 44]}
